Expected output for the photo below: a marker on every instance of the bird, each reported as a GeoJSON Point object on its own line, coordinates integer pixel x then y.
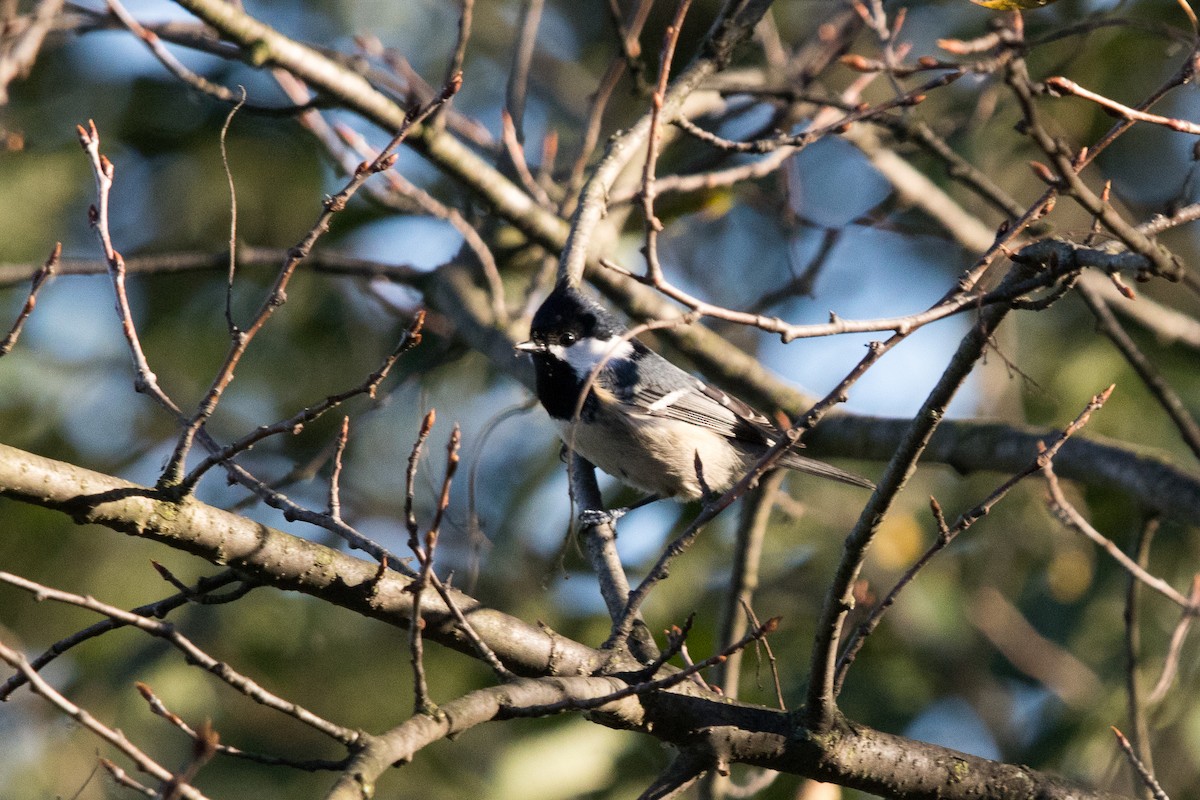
{"type": "Point", "coordinates": [645, 421]}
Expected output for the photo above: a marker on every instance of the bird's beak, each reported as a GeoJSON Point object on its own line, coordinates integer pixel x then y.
{"type": "Point", "coordinates": [529, 347]}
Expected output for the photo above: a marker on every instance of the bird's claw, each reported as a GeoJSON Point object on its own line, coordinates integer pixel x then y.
{"type": "Point", "coordinates": [598, 516]}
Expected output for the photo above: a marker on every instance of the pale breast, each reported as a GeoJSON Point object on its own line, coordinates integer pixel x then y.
{"type": "Point", "coordinates": [657, 455]}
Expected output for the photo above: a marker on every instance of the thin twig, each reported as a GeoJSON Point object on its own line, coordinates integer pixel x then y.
{"type": "Point", "coordinates": [1133, 645]}
{"type": "Point", "coordinates": [113, 736]}
{"type": "Point", "coordinates": [369, 386]}
{"type": "Point", "coordinates": [1155, 383]}
{"type": "Point", "coordinates": [460, 47]}
{"type": "Point", "coordinates": [1189, 213]}
{"type": "Point", "coordinates": [410, 477]}
{"type": "Point", "coordinates": [278, 293]}
{"type": "Point", "coordinates": [1069, 516]}
{"type": "Point", "coordinates": [424, 556]}
{"type": "Point", "coordinates": [653, 224]}
{"type": "Point", "coordinates": [516, 155]}
{"type": "Point", "coordinates": [478, 539]}
{"type": "Point", "coordinates": [481, 647]}
{"type": "Point", "coordinates": [421, 701]}
{"type": "Point", "coordinates": [123, 778]}
{"type": "Point", "coordinates": [771, 660]}
{"type": "Point", "coordinates": [1143, 772]}
{"type": "Point", "coordinates": [322, 262]}
{"type": "Point", "coordinates": [39, 279]}
{"type": "Point", "coordinates": [233, 207]}
{"type": "Point", "coordinates": [452, 459]}
{"type": "Point", "coordinates": [666, 682]}
{"type": "Point", "coordinates": [335, 479]}
{"type": "Point", "coordinates": [192, 652]}
{"type": "Point", "coordinates": [158, 707]}
{"type": "Point", "coordinates": [518, 76]}
{"type": "Point", "coordinates": [168, 60]}
{"type": "Point", "coordinates": [1175, 649]}
{"type": "Point", "coordinates": [747, 558]}
{"type": "Point", "coordinates": [628, 32]}
{"type": "Point", "coordinates": [159, 609]}
{"type": "Point", "coordinates": [947, 533]}
{"type": "Point", "coordinates": [1059, 86]}
{"type": "Point", "coordinates": [416, 640]}
{"type": "Point", "coordinates": [145, 381]}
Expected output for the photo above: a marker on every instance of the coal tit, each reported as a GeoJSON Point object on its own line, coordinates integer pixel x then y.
{"type": "Point", "coordinates": [645, 421]}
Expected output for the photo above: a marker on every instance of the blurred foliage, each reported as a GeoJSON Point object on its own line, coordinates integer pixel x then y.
{"type": "Point", "coordinates": [66, 392]}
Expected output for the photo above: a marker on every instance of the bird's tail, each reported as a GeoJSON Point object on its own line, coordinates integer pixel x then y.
{"type": "Point", "coordinates": [820, 468]}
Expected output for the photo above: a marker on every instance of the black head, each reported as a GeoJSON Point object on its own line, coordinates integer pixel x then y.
{"type": "Point", "coordinates": [562, 342]}
{"type": "Point", "coordinates": [567, 315]}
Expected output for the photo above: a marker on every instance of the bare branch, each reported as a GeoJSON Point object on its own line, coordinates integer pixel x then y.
{"type": "Point", "coordinates": [158, 707]}
{"type": "Point", "coordinates": [1133, 644]}
{"type": "Point", "coordinates": [277, 296]}
{"type": "Point", "coordinates": [685, 770]}
{"type": "Point", "coordinates": [653, 224]}
{"type": "Point", "coordinates": [1163, 392]}
{"type": "Point", "coordinates": [145, 380]}
{"type": "Point", "coordinates": [518, 76]}
{"type": "Point", "coordinates": [39, 278]}
{"type": "Point", "coordinates": [411, 338]}
{"type": "Point", "coordinates": [947, 534]}
{"type": "Point", "coordinates": [1143, 772]}
{"type": "Point", "coordinates": [229, 323]}
{"type": "Point", "coordinates": [1069, 516]}
{"type": "Point", "coordinates": [18, 54]}
{"type": "Point", "coordinates": [193, 653]}
{"type": "Point", "coordinates": [335, 480]}
{"type": "Point", "coordinates": [674, 679]}
{"type": "Point", "coordinates": [820, 709]}
{"type": "Point", "coordinates": [1060, 86]}
{"type": "Point", "coordinates": [1175, 649]}
{"type": "Point", "coordinates": [200, 593]}
{"type": "Point", "coordinates": [747, 557]}
{"type": "Point", "coordinates": [113, 736]}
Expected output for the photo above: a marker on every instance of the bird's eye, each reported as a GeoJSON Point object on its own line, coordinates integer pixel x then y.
{"type": "Point", "coordinates": [568, 338]}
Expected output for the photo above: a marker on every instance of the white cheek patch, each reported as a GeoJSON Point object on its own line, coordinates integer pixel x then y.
{"type": "Point", "coordinates": [585, 354]}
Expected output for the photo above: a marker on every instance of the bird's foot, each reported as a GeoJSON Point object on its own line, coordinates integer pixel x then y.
{"type": "Point", "coordinates": [599, 516]}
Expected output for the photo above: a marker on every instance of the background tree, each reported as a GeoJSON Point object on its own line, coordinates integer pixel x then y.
{"type": "Point", "coordinates": [320, 223]}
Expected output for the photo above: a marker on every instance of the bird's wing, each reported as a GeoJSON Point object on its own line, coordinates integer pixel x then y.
{"type": "Point", "coordinates": [669, 392]}
{"type": "Point", "coordinates": [694, 401]}
{"type": "Point", "coordinates": [709, 407]}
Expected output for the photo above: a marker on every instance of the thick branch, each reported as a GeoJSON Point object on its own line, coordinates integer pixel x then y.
{"type": "Point", "coordinates": [683, 714]}
{"type": "Point", "coordinates": [279, 559]}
